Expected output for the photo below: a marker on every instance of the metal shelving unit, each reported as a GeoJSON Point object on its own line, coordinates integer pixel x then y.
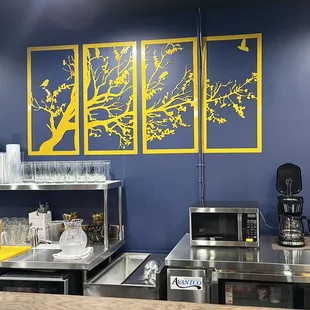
{"type": "Point", "coordinates": [104, 186]}
{"type": "Point", "coordinates": [61, 186]}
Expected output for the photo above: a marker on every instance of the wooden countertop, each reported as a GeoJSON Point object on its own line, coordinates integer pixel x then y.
{"type": "Point", "coordinates": [25, 301]}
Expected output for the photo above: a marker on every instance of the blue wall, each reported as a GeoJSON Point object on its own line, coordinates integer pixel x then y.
{"type": "Point", "coordinates": [160, 188]}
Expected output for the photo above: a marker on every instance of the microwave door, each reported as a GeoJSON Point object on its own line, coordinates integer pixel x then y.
{"type": "Point", "coordinates": [215, 226]}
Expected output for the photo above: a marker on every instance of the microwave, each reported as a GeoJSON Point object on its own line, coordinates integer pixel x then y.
{"type": "Point", "coordinates": [224, 224]}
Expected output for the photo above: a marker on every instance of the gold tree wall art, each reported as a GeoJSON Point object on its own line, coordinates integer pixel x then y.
{"type": "Point", "coordinates": [232, 94]}
{"type": "Point", "coordinates": [228, 95]}
{"type": "Point", "coordinates": [53, 104]}
{"type": "Point", "coordinates": [110, 98]}
{"type": "Point", "coordinates": [169, 96]}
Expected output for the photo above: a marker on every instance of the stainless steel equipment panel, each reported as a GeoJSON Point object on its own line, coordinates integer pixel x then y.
{"type": "Point", "coordinates": [190, 285]}
{"type": "Point", "coordinates": [132, 275]}
{"type": "Point", "coordinates": [118, 272]}
{"type": "Point", "coordinates": [39, 282]}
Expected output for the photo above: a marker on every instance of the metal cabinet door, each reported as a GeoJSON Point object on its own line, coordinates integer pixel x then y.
{"type": "Point", "coordinates": [188, 285]}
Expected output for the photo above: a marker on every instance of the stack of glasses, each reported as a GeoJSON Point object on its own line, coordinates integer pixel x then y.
{"type": "Point", "coordinates": [15, 231]}
{"type": "Point", "coordinates": [66, 171]}
{"type": "Point", "coordinates": [13, 163]}
{"type": "Point", "coordinates": [10, 164]}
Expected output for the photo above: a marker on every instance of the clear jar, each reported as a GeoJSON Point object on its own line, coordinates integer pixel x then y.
{"type": "Point", "coordinates": [73, 240]}
{"type": "Point", "coordinates": [95, 230]}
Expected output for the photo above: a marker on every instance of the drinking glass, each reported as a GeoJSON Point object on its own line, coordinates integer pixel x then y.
{"type": "Point", "coordinates": [28, 172]}
{"type": "Point", "coordinates": [12, 231]}
{"type": "Point", "coordinates": [4, 220]}
{"type": "Point", "coordinates": [90, 171]}
{"type": "Point", "coordinates": [12, 220]}
{"type": "Point", "coordinates": [60, 172]}
{"type": "Point", "coordinates": [22, 220]}
{"type": "Point", "coordinates": [22, 229]}
{"type": "Point", "coordinates": [69, 168]}
{"type": "Point", "coordinates": [108, 170]}
{"type": "Point", "coordinates": [100, 171]}
{"type": "Point", "coordinates": [6, 235]}
{"type": "Point", "coordinates": [24, 233]}
{"type": "Point", "coordinates": [55, 230]}
{"type": "Point", "coordinates": [50, 171]}
{"type": "Point", "coordinates": [81, 172]}
{"type": "Point", "coordinates": [40, 172]}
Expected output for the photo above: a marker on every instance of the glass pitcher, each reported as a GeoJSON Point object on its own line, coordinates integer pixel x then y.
{"type": "Point", "coordinates": [73, 240]}
{"type": "Point", "coordinates": [291, 228]}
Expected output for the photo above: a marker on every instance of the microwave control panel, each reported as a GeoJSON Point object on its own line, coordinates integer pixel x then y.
{"type": "Point", "coordinates": [250, 227]}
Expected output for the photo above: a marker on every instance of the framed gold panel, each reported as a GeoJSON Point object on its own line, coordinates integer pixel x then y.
{"type": "Point", "coordinates": [110, 98]}
{"type": "Point", "coordinates": [53, 100]}
{"type": "Point", "coordinates": [169, 96]}
{"type": "Point", "coordinates": [233, 94]}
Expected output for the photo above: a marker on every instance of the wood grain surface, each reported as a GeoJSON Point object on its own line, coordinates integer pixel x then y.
{"type": "Point", "coordinates": [25, 301]}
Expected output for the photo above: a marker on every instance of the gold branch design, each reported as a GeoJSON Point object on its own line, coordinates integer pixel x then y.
{"type": "Point", "coordinates": [164, 115]}
{"type": "Point", "coordinates": [111, 84]}
{"type": "Point", "coordinates": [61, 114]}
{"type": "Point", "coordinates": [228, 95]}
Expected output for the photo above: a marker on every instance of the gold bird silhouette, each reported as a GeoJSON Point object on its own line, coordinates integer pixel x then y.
{"type": "Point", "coordinates": [243, 47]}
{"type": "Point", "coordinates": [45, 83]}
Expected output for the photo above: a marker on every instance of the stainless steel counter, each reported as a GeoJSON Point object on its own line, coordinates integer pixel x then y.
{"type": "Point", "coordinates": [43, 259]}
{"type": "Point", "coordinates": [262, 260]}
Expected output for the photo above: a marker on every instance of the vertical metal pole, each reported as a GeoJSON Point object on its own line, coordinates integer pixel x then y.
{"type": "Point", "coordinates": [106, 220]}
{"type": "Point", "coordinates": [201, 164]}
{"type": "Point", "coordinates": [66, 287]}
{"type": "Point", "coordinates": [84, 276]}
{"type": "Point", "coordinates": [120, 213]}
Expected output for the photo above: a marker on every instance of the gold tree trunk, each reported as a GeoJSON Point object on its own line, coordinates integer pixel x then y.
{"type": "Point", "coordinates": [49, 145]}
{"type": "Point", "coordinates": [64, 126]}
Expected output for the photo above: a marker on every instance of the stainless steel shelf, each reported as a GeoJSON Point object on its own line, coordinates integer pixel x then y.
{"type": "Point", "coordinates": [43, 259]}
{"type": "Point", "coordinates": [61, 186]}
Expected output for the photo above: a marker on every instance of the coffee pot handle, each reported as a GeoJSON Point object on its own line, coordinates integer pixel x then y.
{"type": "Point", "coordinates": [308, 221]}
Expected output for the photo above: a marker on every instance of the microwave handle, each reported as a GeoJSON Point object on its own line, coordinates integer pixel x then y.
{"type": "Point", "coordinates": [239, 225]}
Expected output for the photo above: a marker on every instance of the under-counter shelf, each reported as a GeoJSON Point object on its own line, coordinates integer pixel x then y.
{"type": "Point", "coordinates": [61, 186]}
{"type": "Point", "coordinates": [94, 186]}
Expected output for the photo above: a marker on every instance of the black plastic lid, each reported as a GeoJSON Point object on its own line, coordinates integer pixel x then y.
{"type": "Point", "coordinates": [289, 175]}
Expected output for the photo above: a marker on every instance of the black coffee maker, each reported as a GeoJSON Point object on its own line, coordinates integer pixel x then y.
{"type": "Point", "coordinates": [290, 207]}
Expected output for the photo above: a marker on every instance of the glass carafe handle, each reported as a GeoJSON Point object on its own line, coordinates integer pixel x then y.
{"type": "Point", "coordinates": [308, 221]}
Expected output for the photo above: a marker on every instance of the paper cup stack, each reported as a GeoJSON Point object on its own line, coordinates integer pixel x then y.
{"type": "Point", "coordinates": [2, 168]}
{"type": "Point", "coordinates": [13, 161]}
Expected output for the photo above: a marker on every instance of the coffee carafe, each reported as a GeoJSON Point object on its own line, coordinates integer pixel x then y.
{"type": "Point", "coordinates": [290, 207]}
